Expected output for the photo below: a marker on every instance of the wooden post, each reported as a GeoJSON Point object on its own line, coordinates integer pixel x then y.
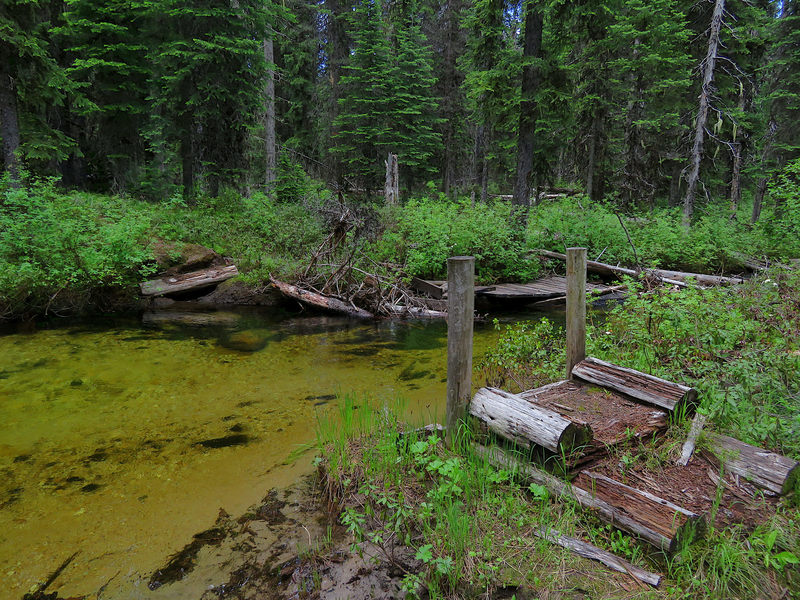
{"type": "Point", "coordinates": [576, 307]}
{"type": "Point", "coordinates": [460, 317]}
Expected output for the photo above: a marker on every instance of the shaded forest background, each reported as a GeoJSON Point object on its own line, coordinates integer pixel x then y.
{"type": "Point", "coordinates": [622, 99]}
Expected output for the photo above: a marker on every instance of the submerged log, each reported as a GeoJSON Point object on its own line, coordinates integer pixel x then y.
{"type": "Point", "coordinates": [634, 517]}
{"type": "Point", "coordinates": [766, 469]}
{"type": "Point", "coordinates": [514, 418]}
{"type": "Point", "coordinates": [415, 312]}
{"type": "Point", "coordinates": [188, 281]}
{"type": "Point", "coordinates": [319, 301]}
{"type": "Point", "coordinates": [587, 550]}
{"type": "Point", "coordinates": [640, 386]}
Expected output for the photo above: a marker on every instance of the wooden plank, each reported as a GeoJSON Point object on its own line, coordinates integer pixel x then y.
{"type": "Point", "coordinates": [514, 418]}
{"type": "Point", "coordinates": [767, 470]}
{"type": "Point", "coordinates": [320, 301]}
{"type": "Point", "coordinates": [188, 281]}
{"type": "Point", "coordinates": [620, 518]}
{"type": "Point", "coordinates": [688, 446]}
{"type": "Point", "coordinates": [587, 550]}
{"type": "Point", "coordinates": [641, 386]}
{"type": "Point", "coordinates": [669, 522]}
{"type": "Point", "coordinates": [433, 289]}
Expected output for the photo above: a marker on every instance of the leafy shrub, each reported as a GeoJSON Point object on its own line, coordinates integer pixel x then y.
{"type": "Point", "coordinates": [425, 232]}
{"type": "Point", "coordinates": [55, 249]}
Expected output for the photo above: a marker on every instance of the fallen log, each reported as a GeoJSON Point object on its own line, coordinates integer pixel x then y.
{"type": "Point", "coordinates": [514, 418]}
{"type": "Point", "coordinates": [671, 524]}
{"type": "Point", "coordinates": [640, 386]}
{"type": "Point", "coordinates": [679, 278]}
{"type": "Point", "coordinates": [691, 440]}
{"type": "Point", "coordinates": [591, 296]}
{"type": "Point", "coordinates": [415, 312]}
{"type": "Point", "coordinates": [435, 289]}
{"type": "Point", "coordinates": [587, 550]}
{"type": "Point", "coordinates": [188, 281]}
{"type": "Point", "coordinates": [767, 470]}
{"type": "Point", "coordinates": [320, 301]}
{"type": "Point", "coordinates": [626, 518]}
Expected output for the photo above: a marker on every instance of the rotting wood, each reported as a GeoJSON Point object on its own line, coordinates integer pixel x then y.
{"type": "Point", "coordinates": [188, 281]}
{"type": "Point", "coordinates": [621, 519]}
{"type": "Point", "coordinates": [767, 470]}
{"type": "Point", "coordinates": [320, 300]}
{"type": "Point", "coordinates": [640, 386]}
{"type": "Point", "coordinates": [587, 550]}
{"type": "Point", "coordinates": [688, 446]}
{"type": "Point", "coordinates": [514, 418]}
{"type": "Point", "coordinates": [661, 516]}
{"type": "Point", "coordinates": [679, 278]}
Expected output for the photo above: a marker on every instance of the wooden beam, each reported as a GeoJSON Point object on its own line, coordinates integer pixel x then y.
{"type": "Point", "coordinates": [691, 440]}
{"type": "Point", "coordinates": [576, 307]}
{"type": "Point", "coordinates": [460, 321]}
{"type": "Point", "coordinates": [514, 418]}
{"type": "Point", "coordinates": [587, 550]}
{"type": "Point", "coordinates": [640, 386]}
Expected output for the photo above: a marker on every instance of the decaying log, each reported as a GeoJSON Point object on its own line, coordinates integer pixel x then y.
{"type": "Point", "coordinates": [670, 523]}
{"type": "Point", "coordinates": [691, 440]}
{"type": "Point", "coordinates": [320, 301]}
{"type": "Point", "coordinates": [188, 281]}
{"type": "Point", "coordinates": [640, 386]}
{"type": "Point", "coordinates": [624, 518]}
{"type": "Point", "coordinates": [766, 469]}
{"type": "Point", "coordinates": [679, 278]}
{"type": "Point", "coordinates": [514, 418]}
{"type": "Point", "coordinates": [587, 550]}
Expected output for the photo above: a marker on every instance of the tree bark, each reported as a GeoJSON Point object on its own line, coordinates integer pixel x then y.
{"type": "Point", "coordinates": [9, 118]}
{"type": "Point", "coordinates": [531, 52]}
{"type": "Point", "coordinates": [758, 199]}
{"type": "Point", "coordinates": [738, 158]}
{"type": "Point", "coordinates": [702, 112]}
{"type": "Point", "coordinates": [270, 150]}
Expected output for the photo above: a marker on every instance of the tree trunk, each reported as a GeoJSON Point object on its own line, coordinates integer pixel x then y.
{"type": "Point", "coordinates": [391, 189]}
{"type": "Point", "coordinates": [9, 119]}
{"type": "Point", "coordinates": [702, 112]}
{"type": "Point", "coordinates": [270, 152]}
{"type": "Point", "coordinates": [531, 52]}
{"type": "Point", "coordinates": [736, 166]}
{"type": "Point", "coordinates": [595, 178]}
{"type": "Point", "coordinates": [758, 199]}
{"type": "Point", "coordinates": [632, 177]}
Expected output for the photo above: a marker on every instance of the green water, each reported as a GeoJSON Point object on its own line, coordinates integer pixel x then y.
{"type": "Point", "coordinates": [120, 439]}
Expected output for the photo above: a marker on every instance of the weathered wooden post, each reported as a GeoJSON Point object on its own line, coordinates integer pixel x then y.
{"type": "Point", "coordinates": [576, 307]}
{"type": "Point", "coordinates": [460, 309]}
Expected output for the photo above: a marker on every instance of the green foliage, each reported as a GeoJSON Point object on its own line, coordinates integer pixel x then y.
{"type": "Point", "coordinates": [262, 236]}
{"type": "Point", "coordinates": [56, 249]}
{"type": "Point", "coordinates": [527, 354]}
{"type": "Point", "coordinates": [428, 231]}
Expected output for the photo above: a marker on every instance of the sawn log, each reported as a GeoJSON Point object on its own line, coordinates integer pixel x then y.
{"type": "Point", "coordinates": [641, 386]}
{"type": "Point", "coordinates": [635, 517]}
{"type": "Point", "coordinates": [766, 469]}
{"type": "Point", "coordinates": [514, 418]}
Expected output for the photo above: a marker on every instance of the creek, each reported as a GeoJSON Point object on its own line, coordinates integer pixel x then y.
{"type": "Point", "coordinates": [122, 437]}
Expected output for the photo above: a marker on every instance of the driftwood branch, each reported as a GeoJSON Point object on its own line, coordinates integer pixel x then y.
{"type": "Point", "coordinates": [688, 446]}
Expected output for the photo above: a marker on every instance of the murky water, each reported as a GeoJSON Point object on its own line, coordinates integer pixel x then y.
{"type": "Point", "coordinates": [119, 440]}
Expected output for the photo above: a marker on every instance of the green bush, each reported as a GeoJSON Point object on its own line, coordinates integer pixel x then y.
{"type": "Point", "coordinates": [425, 232]}
{"type": "Point", "coordinates": [56, 248]}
